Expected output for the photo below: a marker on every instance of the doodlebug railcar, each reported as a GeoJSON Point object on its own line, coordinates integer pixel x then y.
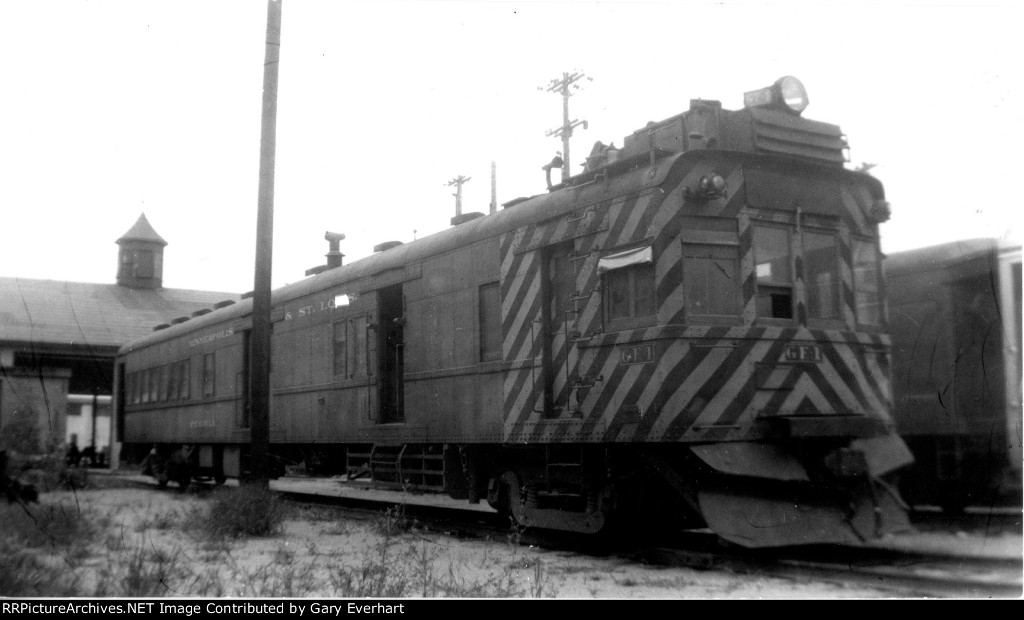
{"type": "Point", "coordinates": [692, 329]}
{"type": "Point", "coordinates": [956, 327]}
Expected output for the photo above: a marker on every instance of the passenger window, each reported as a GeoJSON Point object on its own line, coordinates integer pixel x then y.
{"type": "Point", "coordinates": [184, 386]}
{"type": "Point", "coordinates": [154, 384]}
{"type": "Point", "coordinates": [340, 350]}
{"type": "Point", "coordinates": [774, 272]}
{"type": "Point", "coordinates": [490, 322]}
{"type": "Point", "coordinates": [712, 284]}
{"type": "Point", "coordinates": [821, 269]}
{"type": "Point", "coordinates": [145, 386]}
{"type": "Point", "coordinates": [356, 343]}
{"type": "Point", "coordinates": [209, 375]}
{"type": "Point", "coordinates": [133, 383]}
{"type": "Point", "coordinates": [172, 381]}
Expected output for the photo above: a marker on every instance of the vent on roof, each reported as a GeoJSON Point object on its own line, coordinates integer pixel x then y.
{"type": "Point", "coordinates": [223, 304]}
{"type": "Point", "coordinates": [465, 217]}
{"type": "Point", "coordinates": [514, 202]}
{"type": "Point", "coordinates": [201, 312]}
{"type": "Point", "coordinates": [180, 319]}
{"type": "Point", "coordinates": [387, 245]}
{"type": "Point", "coordinates": [161, 326]}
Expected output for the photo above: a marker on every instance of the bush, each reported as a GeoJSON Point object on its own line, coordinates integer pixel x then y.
{"type": "Point", "coordinates": [21, 432]}
{"type": "Point", "coordinates": [250, 510]}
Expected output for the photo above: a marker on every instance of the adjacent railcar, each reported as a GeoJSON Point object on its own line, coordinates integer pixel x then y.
{"type": "Point", "coordinates": [956, 326]}
{"type": "Point", "coordinates": [691, 329]}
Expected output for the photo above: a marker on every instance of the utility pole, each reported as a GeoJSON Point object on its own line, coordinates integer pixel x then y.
{"type": "Point", "coordinates": [494, 188]}
{"type": "Point", "coordinates": [458, 182]}
{"type": "Point", "coordinates": [562, 87]}
{"type": "Point", "coordinates": [259, 386]}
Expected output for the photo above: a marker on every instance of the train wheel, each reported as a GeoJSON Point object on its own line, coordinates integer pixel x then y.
{"type": "Point", "coordinates": [504, 492]}
{"type": "Point", "coordinates": [515, 496]}
{"type": "Point", "coordinates": [183, 483]}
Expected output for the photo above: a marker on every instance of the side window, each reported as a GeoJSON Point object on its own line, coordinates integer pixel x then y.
{"type": "Point", "coordinates": [144, 265]}
{"type": "Point", "coordinates": [154, 384]}
{"type": "Point", "coordinates": [865, 283]}
{"type": "Point", "coordinates": [127, 264]}
{"type": "Point", "coordinates": [712, 281]}
{"type": "Point", "coordinates": [162, 383]}
{"type": "Point", "coordinates": [490, 322]}
{"type": "Point", "coordinates": [209, 375]}
{"type": "Point", "coordinates": [356, 341]}
{"type": "Point", "coordinates": [144, 386]}
{"type": "Point", "coordinates": [172, 381]}
{"type": "Point", "coordinates": [628, 288]}
{"type": "Point", "coordinates": [185, 384]}
{"type": "Point", "coordinates": [821, 274]}
{"type": "Point", "coordinates": [774, 272]}
{"type": "Point", "coordinates": [340, 350]}
{"type": "Point", "coordinates": [133, 388]}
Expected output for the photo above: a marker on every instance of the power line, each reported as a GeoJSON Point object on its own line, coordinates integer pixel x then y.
{"type": "Point", "coordinates": [458, 183]}
{"type": "Point", "coordinates": [564, 87]}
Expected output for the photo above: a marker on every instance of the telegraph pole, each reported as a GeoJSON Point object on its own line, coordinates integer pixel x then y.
{"type": "Point", "coordinates": [458, 182]}
{"type": "Point", "coordinates": [562, 87]}
{"type": "Point", "coordinates": [494, 188]}
{"type": "Point", "coordinates": [259, 386]}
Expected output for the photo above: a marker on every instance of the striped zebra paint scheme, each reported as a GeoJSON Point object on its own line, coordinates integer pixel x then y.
{"type": "Point", "coordinates": [671, 381]}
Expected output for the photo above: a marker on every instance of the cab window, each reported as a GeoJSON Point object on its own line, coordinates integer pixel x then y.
{"type": "Point", "coordinates": [710, 274]}
{"type": "Point", "coordinates": [865, 283]}
{"type": "Point", "coordinates": [821, 269]}
{"type": "Point", "coordinates": [628, 283]}
{"type": "Point", "coordinates": [773, 268]}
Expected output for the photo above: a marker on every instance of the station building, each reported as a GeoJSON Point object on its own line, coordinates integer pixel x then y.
{"type": "Point", "coordinates": [58, 340]}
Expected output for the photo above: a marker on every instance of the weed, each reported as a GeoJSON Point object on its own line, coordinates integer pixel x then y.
{"type": "Point", "coordinates": [393, 521]}
{"type": "Point", "coordinates": [378, 575]}
{"type": "Point", "coordinates": [207, 584]}
{"type": "Point", "coordinates": [63, 527]}
{"type": "Point", "coordinates": [284, 556]}
{"type": "Point", "coordinates": [145, 574]}
{"type": "Point", "coordinates": [249, 510]}
{"type": "Point", "coordinates": [163, 521]}
{"type": "Point", "coordinates": [274, 581]}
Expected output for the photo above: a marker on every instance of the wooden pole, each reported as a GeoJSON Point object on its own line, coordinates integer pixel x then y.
{"type": "Point", "coordinates": [259, 387]}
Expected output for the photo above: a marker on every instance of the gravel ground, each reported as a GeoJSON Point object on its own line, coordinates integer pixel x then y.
{"type": "Point", "coordinates": [152, 543]}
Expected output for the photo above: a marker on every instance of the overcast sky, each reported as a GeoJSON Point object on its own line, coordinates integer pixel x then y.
{"type": "Point", "coordinates": [114, 108]}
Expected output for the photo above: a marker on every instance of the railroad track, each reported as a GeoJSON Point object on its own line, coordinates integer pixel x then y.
{"type": "Point", "coordinates": [901, 572]}
{"type": "Point", "coordinates": [989, 519]}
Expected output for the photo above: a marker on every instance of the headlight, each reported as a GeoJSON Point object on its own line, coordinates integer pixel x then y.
{"type": "Point", "coordinates": [787, 93]}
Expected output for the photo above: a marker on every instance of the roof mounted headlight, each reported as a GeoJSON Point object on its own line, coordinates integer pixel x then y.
{"type": "Point", "coordinates": [787, 93]}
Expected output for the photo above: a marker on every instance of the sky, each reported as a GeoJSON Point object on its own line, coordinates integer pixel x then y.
{"type": "Point", "coordinates": [113, 108]}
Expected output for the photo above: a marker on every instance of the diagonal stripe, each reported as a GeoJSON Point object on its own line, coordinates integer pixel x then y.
{"type": "Point", "coordinates": [735, 381]}
{"type": "Point", "coordinates": [853, 209]}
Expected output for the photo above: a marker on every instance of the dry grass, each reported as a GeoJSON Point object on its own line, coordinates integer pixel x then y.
{"type": "Point", "coordinates": [132, 542]}
{"type": "Point", "coordinates": [235, 542]}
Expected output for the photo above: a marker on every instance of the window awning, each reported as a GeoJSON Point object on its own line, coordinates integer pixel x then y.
{"type": "Point", "coordinates": [629, 258]}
